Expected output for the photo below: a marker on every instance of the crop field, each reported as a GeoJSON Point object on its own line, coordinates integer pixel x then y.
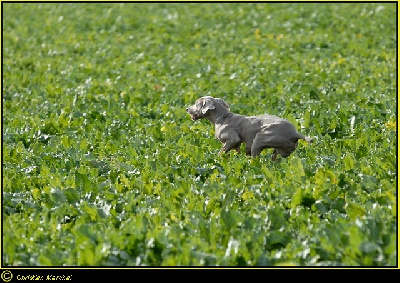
{"type": "Point", "coordinates": [102, 166]}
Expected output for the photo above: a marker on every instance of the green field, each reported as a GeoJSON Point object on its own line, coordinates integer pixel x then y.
{"type": "Point", "coordinates": [103, 166]}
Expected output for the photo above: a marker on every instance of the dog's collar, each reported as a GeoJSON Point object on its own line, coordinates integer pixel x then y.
{"type": "Point", "coordinates": [222, 116]}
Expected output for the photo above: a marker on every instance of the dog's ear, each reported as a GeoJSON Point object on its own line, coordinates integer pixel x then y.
{"type": "Point", "coordinates": [220, 100]}
{"type": "Point", "coordinates": [208, 104]}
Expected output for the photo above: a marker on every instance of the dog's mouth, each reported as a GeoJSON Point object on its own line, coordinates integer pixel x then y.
{"type": "Point", "coordinates": [194, 116]}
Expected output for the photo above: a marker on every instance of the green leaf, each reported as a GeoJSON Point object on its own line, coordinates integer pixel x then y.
{"type": "Point", "coordinates": [72, 195]}
{"type": "Point", "coordinates": [297, 197]}
{"type": "Point", "coordinates": [228, 218]}
{"type": "Point", "coordinates": [90, 210]}
{"type": "Point", "coordinates": [349, 161]}
{"type": "Point", "coordinates": [354, 210]}
{"type": "Point", "coordinates": [369, 247]}
{"type": "Point", "coordinates": [36, 193]}
{"type": "Point", "coordinates": [57, 196]}
{"type": "Point", "coordinates": [321, 205]}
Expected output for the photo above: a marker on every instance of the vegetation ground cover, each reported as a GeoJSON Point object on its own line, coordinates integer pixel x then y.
{"type": "Point", "coordinates": [102, 166]}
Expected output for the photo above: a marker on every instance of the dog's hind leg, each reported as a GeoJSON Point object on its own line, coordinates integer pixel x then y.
{"type": "Point", "coordinates": [271, 140]}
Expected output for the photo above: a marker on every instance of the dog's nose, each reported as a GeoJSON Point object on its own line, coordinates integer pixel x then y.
{"type": "Point", "coordinates": [187, 109]}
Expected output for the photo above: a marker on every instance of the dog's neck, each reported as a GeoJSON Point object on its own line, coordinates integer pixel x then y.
{"type": "Point", "coordinates": [218, 119]}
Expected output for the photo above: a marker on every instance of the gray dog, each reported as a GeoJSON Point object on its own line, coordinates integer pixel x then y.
{"type": "Point", "coordinates": [257, 132]}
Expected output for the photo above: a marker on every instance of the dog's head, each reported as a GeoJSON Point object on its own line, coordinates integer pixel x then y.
{"type": "Point", "coordinates": [204, 106]}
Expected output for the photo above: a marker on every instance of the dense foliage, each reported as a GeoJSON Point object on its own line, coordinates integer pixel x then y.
{"type": "Point", "coordinates": [103, 166]}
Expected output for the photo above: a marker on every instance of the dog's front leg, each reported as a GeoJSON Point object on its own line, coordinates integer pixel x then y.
{"type": "Point", "coordinates": [229, 145]}
{"type": "Point", "coordinates": [222, 150]}
{"type": "Point", "coordinates": [230, 138]}
{"type": "Point", "coordinates": [225, 148]}
{"type": "Point", "coordinates": [237, 148]}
